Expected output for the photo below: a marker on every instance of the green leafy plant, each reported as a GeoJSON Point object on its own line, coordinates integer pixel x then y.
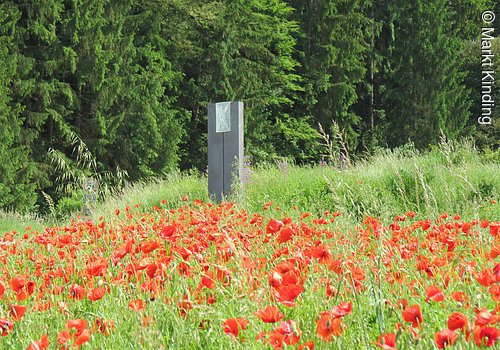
{"type": "Point", "coordinates": [72, 174]}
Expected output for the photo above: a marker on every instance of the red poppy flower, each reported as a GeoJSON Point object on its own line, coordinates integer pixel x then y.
{"type": "Point", "coordinates": [358, 275]}
{"type": "Point", "coordinates": [285, 266]}
{"type": "Point", "coordinates": [136, 305]}
{"type": "Point", "coordinates": [77, 324]}
{"type": "Point", "coordinates": [306, 346]}
{"type": "Point", "coordinates": [328, 326]}
{"type": "Point", "coordinates": [495, 251]}
{"type": "Point", "coordinates": [285, 234]}
{"type": "Point", "coordinates": [459, 296]}
{"type": "Point", "coordinates": [17, 311]}
{"type": "Point", "coordinates": [76, 292]}
{"type": "Point", "coordinates": [97, 267]}
{"type": "Point", "coordinates": [96, 294]}
{"type": "Point", "coordinates": [414, 315]}
{"type": "Point", "coordinates": [232, 326]}
{"type": "Point", "coordinates": [208, 281]}
{"type": "Point", "coordinates": [151, 270]}
{"type": "Point", "coordinates": [287, 294]}
{"type": "Point", "coordinates": [81, 334]}
{"type": "Point", "coordinates": [495, 293]}
{"type": "Point", "coordinates": [466, 227]}
{"type": "Point", "coordinates": [103, 326]}
{"type": "Point", "coordinates": [139, 265]}
{"type": "Point", "coordinates": [484, 223]}
{"type": "Point", "coordinates": [486, 277]}
{"type": "Point", "coordinates": [403, 303]}
{"type": "Point", "coordinates": [387, 341]}
{"type": "Point", "coordinates": [276, 340]}
{"type": "Point", "coordinates": [484, 318]}
{"type": "Point", "coordinates": [2, 289]}
{"type": "Point", "coordinates": [496, 272]}
{"type": "Point", "coordinates": [273, 226]}
{"type": "Point", "coordinates": [425, 225]}
{"type": "Point", "coordinates": [41, 344]}
{"type": "Point", "coordinates": [445, 338]}
{"type": "Point", "coordinates": [270, 314]}
{"type": "Point", "coordinates": [6, 326]}
{"type": "Point", "coordinates": [290, 277]}
{"type": "Point", "coordinates": [344, 308]}
{"type": "Point", "coordinates": [335, 266]}
{"type": "Point", "coordinates": [149, 246]}
{"type": "Point", "coordinates": [433, 293]}
{"type": "Point", "coordinates": [491, 334]}
{"type": "Point", "coordinates": [322, 253]}
{"type": "Point", "coordinates": [290, 332]}
{"type": "Point", "coordinates": [17, 283]}
{"type": "Point", "coordinates": [457, 320]}
{"type": "Point", "coordinates": [494, 229]}
{"type": "Point", "coordinates": [167, 231]}
{"type": "Point", "coordinates": [63, 337]}
{"type": "Point", "coordinates": [82, 338]}
{"type": "Point", "coordinates": [330, 291]}
{"type": "Point", "coordinates": [22, 287]}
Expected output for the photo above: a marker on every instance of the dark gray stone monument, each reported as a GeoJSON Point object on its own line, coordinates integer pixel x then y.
{"type": "Point", "coordinates": [225, 148]}
{"type": "Point", "coordinates": [90, 193]}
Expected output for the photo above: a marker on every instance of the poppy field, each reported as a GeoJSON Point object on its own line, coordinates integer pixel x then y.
{"type": "Point", "coordinates": [207, 276]}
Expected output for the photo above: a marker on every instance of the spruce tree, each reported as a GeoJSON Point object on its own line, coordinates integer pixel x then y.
{"type": "Point", "coordinates": [333, 49]}
{"type": "Point", "coordinates": [235, 50]}
{"type": "Point", "coordinates": [140, 130]}
{"type": "Point", "coordinates": [425, 93]}
{"type": "Point", "coordinates": [17, 187]}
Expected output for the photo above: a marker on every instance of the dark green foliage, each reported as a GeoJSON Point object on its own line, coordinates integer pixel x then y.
{"type": "Point", "coordinates": [333, 49]}
{"type": "Point", "coordinates": [235, 50]}
{"type": "Point", "coordinates": [96, 70]}
{"type": "Point", "coordinates": [298, 139]}
{"type": "Point", "coordinates": [487, 136]}
{"type": "Point", "coordinates": [114, 88]}
{"type": "Point", "coordinates": [124, 87]}
{"type": "Point", "coordinates": [467, 16]}
{"type": "Point", "coordinates": [17, 189]}
{"type": "Point", "coordinates": [145, 83]}
{"type": "Point", "coordinates": [426, 95]}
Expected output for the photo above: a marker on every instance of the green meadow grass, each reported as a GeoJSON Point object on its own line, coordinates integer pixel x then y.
{"type": "Point", "coordinates": [452, 179]}
{"type": "Point", "coordinates": [13, 221]}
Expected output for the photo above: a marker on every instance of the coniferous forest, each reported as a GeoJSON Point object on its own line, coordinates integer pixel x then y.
{"type": "Point", "coordinates": [120, 88]}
